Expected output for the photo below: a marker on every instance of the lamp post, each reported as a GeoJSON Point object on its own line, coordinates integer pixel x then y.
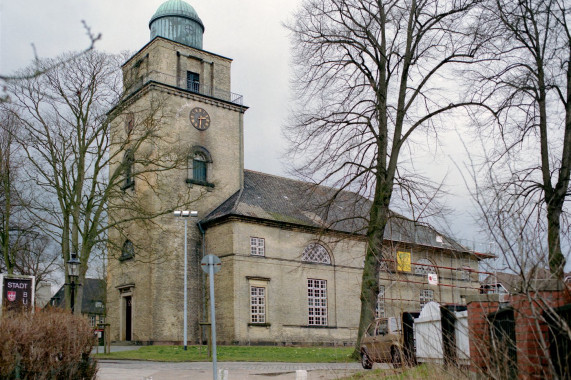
{"type": "Point", "coordinates": [73, 268]}
{"type": "Point", "coordinates": [185, 214]}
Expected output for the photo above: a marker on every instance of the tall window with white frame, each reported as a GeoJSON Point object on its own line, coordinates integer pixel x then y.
{"type": "Point", "coordinates": [257, 246]}
{"type": "Point", "coordinates": [380, 308]}
{"type": "Point", "coordinates": [317, 301]}
{"type": "Point", "coordinates": [257, 304]}
{"type": "Point", "coordinates": [426, 295]}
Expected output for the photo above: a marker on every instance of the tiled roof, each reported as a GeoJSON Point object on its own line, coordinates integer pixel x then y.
{"type": "Point", "coordinates": [93, 291]}
{"type": "Point", "coordinates": [284, 200]}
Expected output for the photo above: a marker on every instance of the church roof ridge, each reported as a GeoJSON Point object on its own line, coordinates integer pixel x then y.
{"type": "Point", "coordinates": [282, 200]}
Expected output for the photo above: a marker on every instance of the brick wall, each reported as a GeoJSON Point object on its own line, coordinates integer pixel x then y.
{"type": "Point", "coordinates": [531, 331]}
{"type": "Point", "coordinates": [478, 308]}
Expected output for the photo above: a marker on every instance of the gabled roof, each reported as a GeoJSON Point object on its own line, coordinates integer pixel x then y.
{"type": "Point", "coordinates": [271, 198]}
{"type": "Point", "coordinates": [93, 291]}
{"type": "Point", "coordinates": [514, 283]}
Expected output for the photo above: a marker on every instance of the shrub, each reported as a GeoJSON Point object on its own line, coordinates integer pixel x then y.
{"type": "Point", "coordinates": [52, 344]}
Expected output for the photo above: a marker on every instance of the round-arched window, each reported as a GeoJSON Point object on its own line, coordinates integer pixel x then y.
{"type": "Point", "coordinates": [424, 266]}
{"type": "Point", "coordinates": [316, 253]}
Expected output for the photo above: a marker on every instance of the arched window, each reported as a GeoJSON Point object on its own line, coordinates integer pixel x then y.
{"type": "Point", "coordinates": [199, 167]}
{"type": "Point", "coordinates": [316, 253]}
{"type": "Point", "coordinates": [424, 267]}
{"type": "Point", "coordinates": [129, 169]}
{"type": "Point", "coordinates": [129, 123]}
{"type": "Point", "coordinates": [128, 251]}
{"type": "Point", "coordinates": [199, 161]}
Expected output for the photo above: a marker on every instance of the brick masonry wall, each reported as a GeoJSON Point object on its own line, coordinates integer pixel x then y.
{"type": "Point", "coordinates": [479, 329]}
{"type": "Point", "coordinates": [532, 333]}
{"type": "Point", "coordinates": [531, 330]}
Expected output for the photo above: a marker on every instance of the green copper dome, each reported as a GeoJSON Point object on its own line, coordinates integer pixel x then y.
{"type": "Point", "coordinates": [177, 21]}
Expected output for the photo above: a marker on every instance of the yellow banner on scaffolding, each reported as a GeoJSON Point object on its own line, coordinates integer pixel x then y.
{"type": "Point", "coordinates": [403, 262]}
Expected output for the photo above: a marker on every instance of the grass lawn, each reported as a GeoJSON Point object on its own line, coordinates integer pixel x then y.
{"type": "Point", "coordinates": [237, 354]}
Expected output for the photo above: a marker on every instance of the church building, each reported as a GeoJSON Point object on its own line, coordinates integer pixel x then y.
{"type": "Point", "coordinates": [291, 257]}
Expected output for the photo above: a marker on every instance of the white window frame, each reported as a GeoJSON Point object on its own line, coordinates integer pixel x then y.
{"type": "Point", "coordinates": [92, 320]}
{"type": "Point", "coordinates": [380, 306]}
{"type": "Point", "coordinates": [317, 302]}
{"type": "Point", "coordinates": [425, 268]}
{"type": "Point", "coordinates": [316, 253]}
{"type": "Point", "coordinates": [426, 295]}
{"type": "Point", "coordinates": [257, 304]}
{"type": "Point", "coordinates": [257, 246]}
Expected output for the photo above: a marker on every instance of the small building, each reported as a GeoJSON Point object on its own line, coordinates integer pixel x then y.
{"type": "Point", "coordinates": [93, 300]}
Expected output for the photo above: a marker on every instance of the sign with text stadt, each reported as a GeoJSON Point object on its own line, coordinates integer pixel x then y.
{"type": "Point", "coordinates": [17, 293]}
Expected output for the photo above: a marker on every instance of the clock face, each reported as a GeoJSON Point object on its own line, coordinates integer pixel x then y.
{"type": "Point", "coordinates": [199, 118]}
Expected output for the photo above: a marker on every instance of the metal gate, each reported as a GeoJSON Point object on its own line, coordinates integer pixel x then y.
{"type": "Point", "coordinates": [502, 336]}
{"type": "Point", "coordinates": [408, 336]}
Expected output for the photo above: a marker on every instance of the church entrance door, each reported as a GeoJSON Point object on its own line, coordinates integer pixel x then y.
{"type": "Point", "coordinates": [128, 318]}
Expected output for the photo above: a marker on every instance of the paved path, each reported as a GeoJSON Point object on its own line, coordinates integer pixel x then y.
{"type": "Point", "coordinates": [143, 370]}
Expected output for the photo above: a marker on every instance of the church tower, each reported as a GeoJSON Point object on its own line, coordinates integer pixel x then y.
{"type": "Point", "coordinates": [178, 137]}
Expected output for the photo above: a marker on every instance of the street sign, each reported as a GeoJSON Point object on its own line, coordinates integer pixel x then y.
{"type": "Point", "coordinates": [210, 260]}
{"type": "Point", "coordinates": [17, 292]}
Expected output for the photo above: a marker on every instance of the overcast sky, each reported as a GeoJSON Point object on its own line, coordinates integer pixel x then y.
{"type": "Point", "coordinates": [248, 31]}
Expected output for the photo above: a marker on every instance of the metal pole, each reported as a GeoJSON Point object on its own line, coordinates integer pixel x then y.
{"type": "Point", "coordinates": [72, 295]}
{"type": "Point", "coordinates": [185, 284]}
{"type": "Point", "coordinates": [212, 316]}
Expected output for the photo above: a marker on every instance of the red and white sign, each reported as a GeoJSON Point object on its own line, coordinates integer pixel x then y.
{"type": "Point", "coordinates": [432, 279]}
{"type": "Point", "coordinates": [11, 295]}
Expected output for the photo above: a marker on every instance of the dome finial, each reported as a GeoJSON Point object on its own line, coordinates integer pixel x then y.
{"type": "Point", "coordinates": [178, 21]}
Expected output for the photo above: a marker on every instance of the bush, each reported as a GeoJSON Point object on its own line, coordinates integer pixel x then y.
{"type": "Point", "coordinates": [52, 344]}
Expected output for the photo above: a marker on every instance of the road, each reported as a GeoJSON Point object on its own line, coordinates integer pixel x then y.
{"type": "Point", "coordinates": [142, 370]}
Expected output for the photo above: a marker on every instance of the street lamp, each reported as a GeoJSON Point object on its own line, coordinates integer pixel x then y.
{"type": "Point", "coordinates": [73, 273]}
{"type": "Point", "coordinates": [185, 214]}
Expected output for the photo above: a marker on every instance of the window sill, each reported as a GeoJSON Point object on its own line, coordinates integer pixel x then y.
{"type": "Point", "coordinates": [200, 183]}
{"type": "Point", "coordinates": [126, 258]}
{"type": "Point", "coordinates": [259, 324]}
{"type": "Point", "coordinates": [128, 185]}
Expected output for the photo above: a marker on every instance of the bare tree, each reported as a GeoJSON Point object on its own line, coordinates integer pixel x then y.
{"type": "Point", "coordinates": [38, 68]}
{"type": "Point", "coordinates": [80, 181]}
{"type": "Point", "coordinates": [368, 79]}
{"type": "Point", "coordinates": [526, 79]}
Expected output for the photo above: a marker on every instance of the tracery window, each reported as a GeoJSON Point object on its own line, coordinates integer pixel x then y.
{"type": "Point", "coordinates": [424, 267]}
{"type": "Point", "coordinates": [316, 253]}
